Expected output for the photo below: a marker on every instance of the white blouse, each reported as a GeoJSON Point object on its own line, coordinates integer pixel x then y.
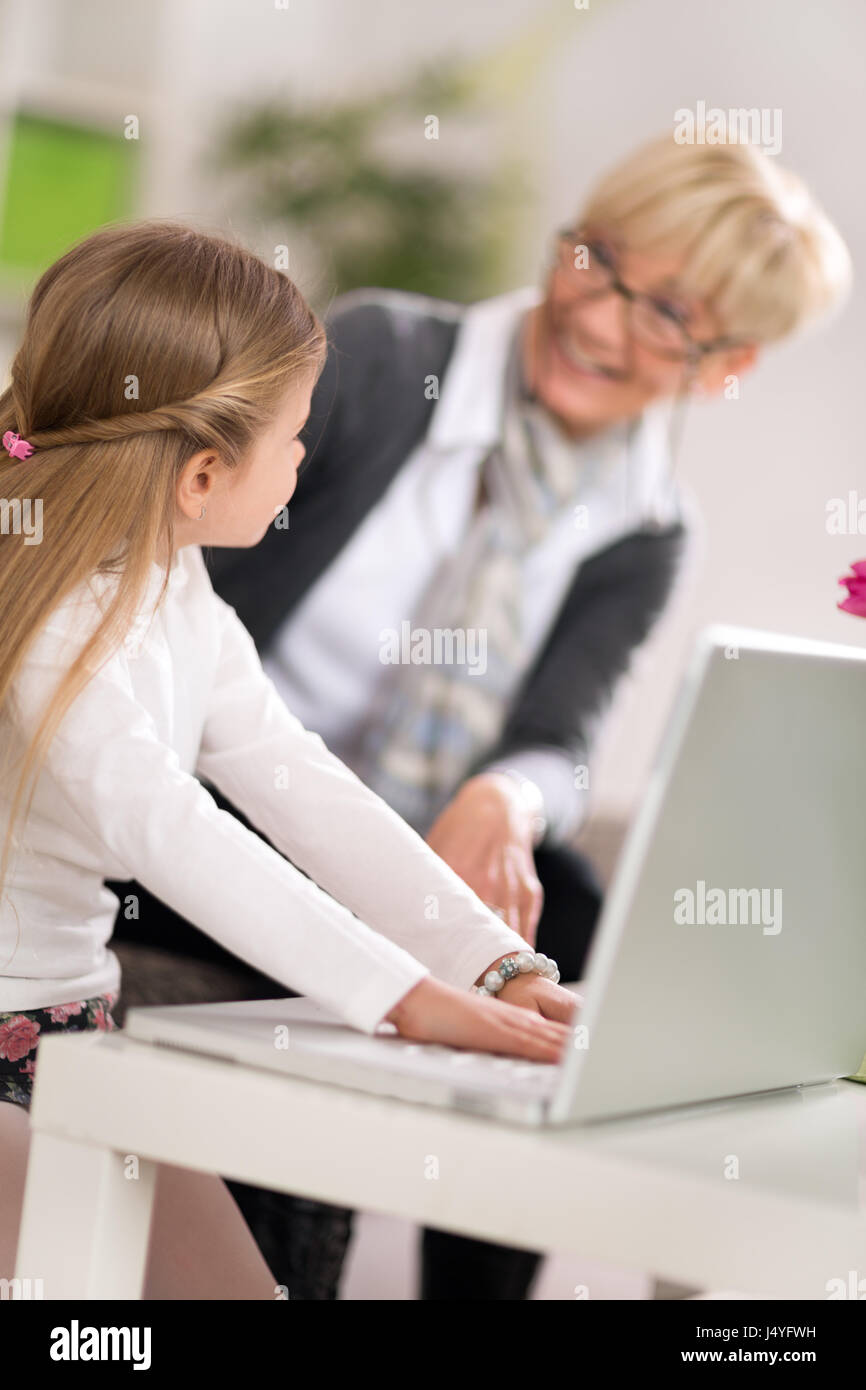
{"type": "Point", "coordinates": [118, 797]}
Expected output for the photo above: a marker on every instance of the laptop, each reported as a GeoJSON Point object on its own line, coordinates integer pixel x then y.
{"type": "Point", "coordinates": [730, 956]}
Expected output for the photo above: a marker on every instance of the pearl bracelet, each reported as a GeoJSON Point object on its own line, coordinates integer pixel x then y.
{"type": "Point", "coordinates": [521, 964]}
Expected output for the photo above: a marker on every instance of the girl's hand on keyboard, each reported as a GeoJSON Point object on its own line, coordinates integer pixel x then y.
{"type": "Point", "coordinates": [435, 1012]}
{"type": "Point", "coordinates": [535, 992]}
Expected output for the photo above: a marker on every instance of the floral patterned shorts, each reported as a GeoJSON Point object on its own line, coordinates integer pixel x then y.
{"type": "Point", "coordinates": [20, 1034]}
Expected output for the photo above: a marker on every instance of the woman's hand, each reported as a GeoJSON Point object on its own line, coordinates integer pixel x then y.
{"type": "Point", "coordinates": [486, 834]}
{"type": "Point", "coordinates": [532, 1021]}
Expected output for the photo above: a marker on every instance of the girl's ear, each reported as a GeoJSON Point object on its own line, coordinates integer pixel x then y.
{"type": "Point", "coordinates": [720, 367]}
{"type": "Point", "coordinates": [196, 482]}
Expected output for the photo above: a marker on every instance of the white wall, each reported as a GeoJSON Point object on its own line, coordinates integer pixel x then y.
{"type": "Point", "coordinates": [575, 92]}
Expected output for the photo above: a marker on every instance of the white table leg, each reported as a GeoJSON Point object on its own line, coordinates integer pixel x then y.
{"type": "Point", "coordinates": [85, 1224]}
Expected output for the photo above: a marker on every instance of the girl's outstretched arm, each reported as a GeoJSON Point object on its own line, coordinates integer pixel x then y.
{"type": "Point", "coordinates": [322, 817]}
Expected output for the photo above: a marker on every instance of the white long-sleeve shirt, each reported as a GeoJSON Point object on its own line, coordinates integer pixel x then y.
{"type": "Point", "coordinates": [118, 798]}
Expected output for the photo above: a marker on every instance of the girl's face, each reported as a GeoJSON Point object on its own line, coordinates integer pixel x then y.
{"type": "Point", "coordinates": [241, 503]}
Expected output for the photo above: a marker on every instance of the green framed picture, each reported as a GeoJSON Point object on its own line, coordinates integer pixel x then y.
{"type": "Point", "coordinates": [62, 181]}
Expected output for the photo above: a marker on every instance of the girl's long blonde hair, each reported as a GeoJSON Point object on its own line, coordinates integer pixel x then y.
{"type": "Point", "coordinates": [143, 344]}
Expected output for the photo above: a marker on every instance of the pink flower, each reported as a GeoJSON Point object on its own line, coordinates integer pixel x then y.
{"type": "Point", "coordinates": [855, 583]}
{"type": "Point", "coordinates": [60, 1013]}
{"type": "Point", "coordinates": [18, 1037]}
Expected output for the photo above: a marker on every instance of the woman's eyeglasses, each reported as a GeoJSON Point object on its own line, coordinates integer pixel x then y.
{"type": "Point", "coordinates": [589, 267]}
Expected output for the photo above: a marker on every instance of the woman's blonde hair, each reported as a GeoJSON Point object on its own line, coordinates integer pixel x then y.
{"type": "Point", "coordinates": [756, 245]}
{"type": "Point", "coordinates": [143, 345]}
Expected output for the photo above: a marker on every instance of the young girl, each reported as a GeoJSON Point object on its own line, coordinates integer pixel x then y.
{"type": "Point", "coordinates": [154, 408]}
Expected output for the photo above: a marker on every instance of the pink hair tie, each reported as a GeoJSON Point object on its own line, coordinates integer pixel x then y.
{"type": "Point", "coordinates": [15, 446]}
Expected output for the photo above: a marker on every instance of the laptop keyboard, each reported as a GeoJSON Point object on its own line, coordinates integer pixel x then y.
{"type": "Point", "coordinates": [508, 1073]}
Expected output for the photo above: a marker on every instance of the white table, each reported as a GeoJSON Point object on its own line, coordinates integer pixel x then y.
{"type": "Point", "coordinates": [649, 1193]}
